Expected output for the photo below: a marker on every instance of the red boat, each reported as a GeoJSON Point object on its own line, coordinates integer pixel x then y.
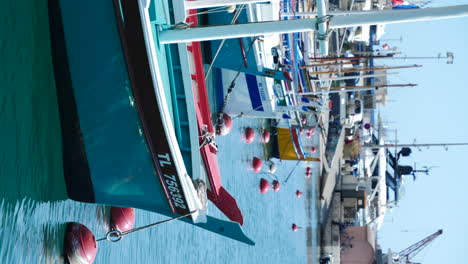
{"type": "Point", "coordinates": [217, 194]}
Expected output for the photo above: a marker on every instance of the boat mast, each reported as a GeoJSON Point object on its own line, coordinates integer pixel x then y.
{"type": "Point", "coordinates": [347, 89]}
{"type": "Point", "coordinates": [445, 145]}
{"type": "Point", "coordinates": [351, 59]}
{"type": "Point", "coordinates": [366, 69]}
{"type": "Point", "coordinates": [303, 25]}
{"type": "Point", "coordinates": [449, 56]}
{"type": "Point", "coordinates": [352, 77]}
{"type": "Point", "coordinates": [218, 3]}
{"type": "Point", "coordinates": [336, 13]}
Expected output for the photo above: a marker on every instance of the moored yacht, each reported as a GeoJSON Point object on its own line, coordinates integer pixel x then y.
{"type": "Point", "coordinates": [116, 90]}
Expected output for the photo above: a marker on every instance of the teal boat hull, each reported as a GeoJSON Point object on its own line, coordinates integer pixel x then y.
{"type": "Point", "coordinates": [107, 158]}
{"type": "Point", "coordinates": [111, 128]}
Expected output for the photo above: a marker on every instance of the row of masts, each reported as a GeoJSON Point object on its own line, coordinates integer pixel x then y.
{"type": "Point", "coordinates": [321, 21]}
{"type": "Point", "coordinates": [344, 19]}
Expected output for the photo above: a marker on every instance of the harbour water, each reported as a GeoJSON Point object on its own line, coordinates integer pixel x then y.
{"type": "Point", "coordinates": [34, 208]}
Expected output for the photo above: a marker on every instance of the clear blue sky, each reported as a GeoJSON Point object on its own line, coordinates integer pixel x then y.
{"type": "Point", "coordinates": [434, 111]}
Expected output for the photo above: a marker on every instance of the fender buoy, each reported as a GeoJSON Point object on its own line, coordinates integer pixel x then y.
{"type": "Point", "coordinates": [298, 194]}
{"type": "Point", "coordinates": [122, 218]}
{"type": "Point", "coordinates": [249, 135]}
{"type": "Point", "coordinates": [266, 136]}
{"type": "Point", "coordinates": [308, 135]}
{"type": "Point", "coordinates": [276, 185]}
{"type": "Point", "coordinates": [264, 186]}
{"type": "Point", "coordinates": [311, 131]}
{"type": "Point", "coordinates": [223, 124]}
{"type": "Point", "coordinates": [256, 164]}
{"type": "Point", "coordinates": [294, 227]}
{"type": "Point", "coordinates": [313, 149]}
{"type": "Point", "coordinates": [80, 245]}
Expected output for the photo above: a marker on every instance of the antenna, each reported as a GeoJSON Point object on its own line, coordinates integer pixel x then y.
{"type": "Point", "coordinates": [424, 169]}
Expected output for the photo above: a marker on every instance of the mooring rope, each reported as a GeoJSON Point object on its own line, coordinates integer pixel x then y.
{"type": "Point", "coordinates": [287, 178]}
{"type": "Point", "coordinates": [116, 235]}
{"type": "Point", "coordinates": [234, 19]}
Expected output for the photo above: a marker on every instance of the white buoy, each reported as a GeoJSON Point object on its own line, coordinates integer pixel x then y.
{"type": "Point", "coordinates": [272, 167]}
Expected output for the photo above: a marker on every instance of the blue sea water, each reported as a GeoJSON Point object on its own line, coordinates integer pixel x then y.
{"type": "Point", "coordinates": [33, 204]}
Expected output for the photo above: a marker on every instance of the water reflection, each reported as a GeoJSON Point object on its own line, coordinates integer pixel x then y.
{"type": "Point", "coordinates": [30, 138]}
{"type": "Point", "coordinates": [52, 243]}
{"type": "Point", "coordinates": [103, 216]}
{"type": "Point", "coordinates": [39, 187]}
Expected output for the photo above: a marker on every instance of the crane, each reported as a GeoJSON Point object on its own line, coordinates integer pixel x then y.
{"type": "Point", "coordinates": [410, 252]}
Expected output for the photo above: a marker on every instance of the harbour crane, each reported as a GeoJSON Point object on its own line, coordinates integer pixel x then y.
{"type": "Point", "coordinates": [405, 256]}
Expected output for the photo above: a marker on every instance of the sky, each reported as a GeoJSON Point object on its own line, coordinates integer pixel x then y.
{"type": "Point", "coordinates": [435, 111]}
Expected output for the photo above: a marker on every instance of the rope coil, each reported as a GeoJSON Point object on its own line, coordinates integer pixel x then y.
{"type": "Point", "coordinates": [208, 138]}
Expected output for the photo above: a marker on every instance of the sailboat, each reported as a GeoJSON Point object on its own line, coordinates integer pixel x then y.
{"type": "Point", "coordinates": [126, 139]}
{"type": "Point", "coordinates": [244, 68]}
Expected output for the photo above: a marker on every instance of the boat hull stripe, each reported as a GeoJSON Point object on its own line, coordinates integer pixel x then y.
{"type": "Point", "coordinates": [136, 57]}
{"type": "Point", "coordinates": [254, 93]}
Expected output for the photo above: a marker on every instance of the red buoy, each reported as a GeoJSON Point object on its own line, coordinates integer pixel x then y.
{"type": "Point", "coordinates": [266, 136]}
{"type": "Point", "coordinates": [122, 218]}
{"type": "Point", "coordinates": [264, 186]}
{"type": "Point", "coordinates": [294, 227]}
{"type": "Point", "coordinates": [80, 245]}
{"type": "Point", "coordinates": [223, 124]}
{"type": "Point", "coordinates": [256, 164]}
{"type": "Point", "coordinates": [308, 170]}
{"type": "Point", "coordinates": [249, 135]}
{"type": "Point", "coordinates": [308, 135]}
{"type": "Point", "coordinates": [313, 149]}
{"type": "Point", "coordinates": [276, 185]}
{"type": "Point", "coordinates": [298, 194]}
